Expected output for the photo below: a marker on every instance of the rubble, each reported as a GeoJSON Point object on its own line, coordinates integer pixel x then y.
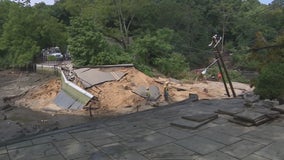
{"type": "Point", "coordinates": [279, 108]}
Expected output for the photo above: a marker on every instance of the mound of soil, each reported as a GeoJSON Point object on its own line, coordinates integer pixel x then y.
{"type": "Point", "coordinates": [30, 109]}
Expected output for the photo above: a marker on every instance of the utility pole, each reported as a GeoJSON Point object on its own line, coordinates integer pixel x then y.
{"type": "Point", "coordinates": [215, 43]}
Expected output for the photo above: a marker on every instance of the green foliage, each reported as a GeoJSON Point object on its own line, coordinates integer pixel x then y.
{"type": "Point", "coordinates": [174, 65]}
{"type": "Point", "coordinates": [85, 42]}
{"type": "Point", "coordinates": [145, 69]}
{"type": "Point", "coordinates": [148, 32]}
{"type": "Point", "coordinates": [270, 83]}
{"type": "Point", "coordinates": [151, 46]}
{"type": "Point", "coordinates": [51, 58]}
{"type": "Point", "coordinates": [89, 47]}
{"type": "Point", "coordinates": [156, 50]}
{"type": "Point", "coordinates": [25, 31]}
{"type": "Point", "coordinates": [244, 62]}
{"type": "Point", "coordinates": [236, 76]}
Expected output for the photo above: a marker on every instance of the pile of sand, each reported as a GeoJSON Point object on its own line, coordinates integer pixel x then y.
{"type": "Point", "coordinates": [39, 97]}
{"type": "Point", "coordinates": [117, 96]}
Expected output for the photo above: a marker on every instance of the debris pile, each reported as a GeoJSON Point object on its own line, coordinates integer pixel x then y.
{"type": "Point", "coordinates": [254, 113]}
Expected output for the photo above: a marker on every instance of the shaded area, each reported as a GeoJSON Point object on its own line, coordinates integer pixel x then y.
{"type": "Point", "coordinates": [67, 102]}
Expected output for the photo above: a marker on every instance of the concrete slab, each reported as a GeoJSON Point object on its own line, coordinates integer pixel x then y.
{"type": "Point", "coordinates": [174, 132]}
{"type": "Point", "coordinates": [52, 138]}
{"type": "Point", "coordinates": [33, 152]}
{"type": "Point", "coordinates": [269, 113]}
{"type": "Point", "coordinates": [200, 145]}
{"type": "Point", "coordinates": [100, 142]}
{"type": "Point", "coordinates": [189, 124]}
{"type": "Point", "coordinates": [87, 136]}
{"type": "Point", "coordinates": [241, 122]}
{"type": "Point", "coordinates": [98, 155]}
{"type": "Point", "coordinates": [232, 130]}
{"type": "Point", "coordinates": [250, 116]}
{"type": "Point", "coordinates": [273, 151]}
{"type": "Point", "coordinates": [67, 102]}
{"type": "Point", "coordinates": [152, 93]}
{"type": "Point", "coordinates": [219, 137]}
{"type": "Point", "coordinates": [217, 156]}
{"type": "Point", "coordinates": [168, 151]}
{"type": "Point", "coordinates": [268, 132]}
{"type": "Point", "coordinates": [19, 145]}
{"type": "Point", "coordinates": [157, 123]}
{"type": "Point", "coordinates": [134, 133]}
{"type": "Point", "coordinates": [65, 142]}
{"type": "Point", "coordinates": [4, 157]}
{"type": "Point", "coordinates": [252, 138]}
{"type": "Point", "coordinates": [242, 149]}
{"type": "Point", "coordinates": [230, 111]}
{"type": "Point", "coordinates": [3, 150]}
{"type": "Point", "coordinates": [279, 108]}
{"type": "Point", "coordinates": [77, 150]}
{"type": "Point", "coordinates": [91, 77]}
{"type": "Point", "coordinates": [149, 141]}
{"type": "Point", "coordinates": [201, 117]}
{"type": "Point", "coordinates": [76, 105]}
{"type": "Point", "coordinates": [255, 157]}
{"type": "Point", "coordinates": [55, 157]}
{"type": "Point", "coordinates": [120, 151]}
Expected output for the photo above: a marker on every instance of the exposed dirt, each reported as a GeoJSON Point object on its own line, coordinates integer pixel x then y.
{"type": "Point", "coordinates": [26, 105]}
{"type": "Point", "coordinates": [29, 107]}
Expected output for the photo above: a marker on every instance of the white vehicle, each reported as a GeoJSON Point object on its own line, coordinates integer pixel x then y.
{"type": "Point", "coordinates": [57, 55]}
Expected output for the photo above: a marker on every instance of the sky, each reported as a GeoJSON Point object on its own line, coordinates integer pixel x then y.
{"type": "Point", "coordinates": [50, 2]}
{"type": "Point", "coordinates": [265, 1]}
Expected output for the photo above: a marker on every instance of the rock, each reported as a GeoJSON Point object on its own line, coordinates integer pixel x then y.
{"type": "Point", "coordinates": [251, 97]}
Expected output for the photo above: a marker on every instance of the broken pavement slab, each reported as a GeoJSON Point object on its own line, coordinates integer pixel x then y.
{"type": "Point", "coordinates": [188, 124]}
{"type": "Point", "coordinates": [269, 113]}
{"type": "Point", "coordinates": [93, 76]}
{"type": "Point", "coordinates": [250, 116]}
{"type": "Point", "coordinates": [201, 117]}
{"type": "Point", "coordinates": [279, 108]}
{"type": "Point", "coordinates": [230, 111]}
{"type": "Point", "coordinates": [153, 93]}
{"type": "Point", "coordinates": [67, 102]}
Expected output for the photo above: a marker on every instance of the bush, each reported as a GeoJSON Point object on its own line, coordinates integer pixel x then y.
{"type": "Point", "coordinates": [235, 75]}
{"type": "Point", "coordinates": [145, 69]}
{"type": "Point", "coordinates": [51, 58]}
{"type": "Point", "coordinates": [174, 65]}
{"type": "Point", "coordinates": [270, 83]}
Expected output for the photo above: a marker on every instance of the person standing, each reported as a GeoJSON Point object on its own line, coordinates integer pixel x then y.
{"type": "Point", "coordinates": [219, 76]}
{"type": "Point", "coordinates": [166, 91]}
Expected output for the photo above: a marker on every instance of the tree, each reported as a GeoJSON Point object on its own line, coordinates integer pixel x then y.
{"type": "Point", "coordinates": [26, 31]}
{"type": "Point", "coordinates": [156, 50]}
{"type": "Point", "coordinates": [85, 41]}
{"type": "Point", "coordinates": [270, 83]}
{"type": "Point", "coordinates": [17, 42]}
